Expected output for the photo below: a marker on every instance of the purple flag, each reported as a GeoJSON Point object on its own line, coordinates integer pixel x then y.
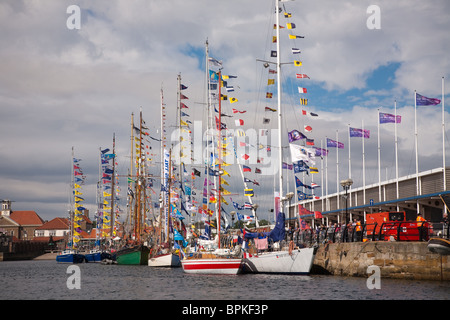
{"type": "Point", "coordinates": [295, 135]}
{"type": "Point", "coordinates": [424, 101]}
{"type": "Point", "coordinates": [389, 118]}
{"type": "Point", "coordinates": [359, 133]}
{"type": "Point", "coordinates": [334, 144]}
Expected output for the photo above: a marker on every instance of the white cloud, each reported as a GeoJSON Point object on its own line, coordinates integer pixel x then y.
{"type": "Point", "coordinates": [61, 88]}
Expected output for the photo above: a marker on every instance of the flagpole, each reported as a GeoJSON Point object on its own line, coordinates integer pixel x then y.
{"type": "Point", "coordinates": [364, 167]}
{"type": "Point", "coordinates": [349, 160]}
{"type": "Point", "coordinates": [321, 174]}
{"type": "Point", "coordinates": [326, 182]}
{"type": "Point", "coordinates": [443, 136]}
{"type": "Point", "coordinates": [396, 152]}
{"type": "Point", "coordinates": [417, 151]}
{"type": "Point", "coordinates": [379, 158]}
{"type": "Point", "coordinates": [337, 169]}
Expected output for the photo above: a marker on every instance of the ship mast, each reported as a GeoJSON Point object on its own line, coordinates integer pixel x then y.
{"type": "Point", "coordinates": [219, 148]}
{"type": "Point", "coordinates": [113, 185]}
{"type": "Point", "coordinates": [280, 149]}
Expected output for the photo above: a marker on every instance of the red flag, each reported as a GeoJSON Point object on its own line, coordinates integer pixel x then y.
{"type": "Point", "coordinates": [302, 76]}
{"type": "Point", "coordinates": [317, 215]}
{"type": "Point", "coordinates": [308, 128]}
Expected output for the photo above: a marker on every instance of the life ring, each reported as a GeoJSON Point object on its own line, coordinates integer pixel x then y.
{"type": "Point", "coordinates": [291, 247]}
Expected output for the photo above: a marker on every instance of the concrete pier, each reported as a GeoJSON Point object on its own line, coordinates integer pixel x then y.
{"type": "Point", "coordinates": [399, 260]}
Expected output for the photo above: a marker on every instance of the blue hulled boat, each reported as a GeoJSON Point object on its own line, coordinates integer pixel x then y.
{"type": "Point", "coordinates": [70, 256]}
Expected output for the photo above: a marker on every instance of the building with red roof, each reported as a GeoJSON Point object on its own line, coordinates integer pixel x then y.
{"type": "Point", "coordinates": [21, 225]}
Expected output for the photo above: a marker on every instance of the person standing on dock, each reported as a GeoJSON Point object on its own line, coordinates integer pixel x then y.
{"type": "Point", "coordinates": [420, 223]}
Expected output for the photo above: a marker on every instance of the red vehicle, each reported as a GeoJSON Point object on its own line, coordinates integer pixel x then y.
{"type": "Point", "coordinates": [384, 225]}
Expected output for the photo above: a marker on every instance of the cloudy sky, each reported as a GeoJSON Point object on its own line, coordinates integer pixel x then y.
{"type": "Point", "coordinates": [62, 88]}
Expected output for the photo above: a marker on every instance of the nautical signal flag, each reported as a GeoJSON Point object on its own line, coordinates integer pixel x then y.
{"type": "Point", "coordinates": [239, 122]}
{"type": "Point", "coordinates": [290, 25]}
{"type": "Point", "coordinates": [297, 63]}
{"type": "Point", "coordinates": [248, 192]}
{"type": "Point", "coordinates": [269, 95]}
{"type": "Point", "coordinates": [301, 76]}
{"type": "Point", "coordinates": [270, 109]}
{"type": "Point", "coordinates": [295, 37]}
{"type": "Point", "coordinates": [304, 101]}
{"type": "Point", "coordinates": [246, 169]}
{"type": "Point", "coordinates": [245, 156]}
{"type": "Point", "coordinates": [296, 51]}
{"type": "Point", "coordinates": [424, 101]}
{"type": "Point", "coordinates": [287, 15]}
{"type": "Point", "coordinates": [308, 128]}
{"type": "Point", "coordinates": [302, 90]}
{"type": "Point", "coordinates": [233, 100]}
{"type": "Point", "coordinates": [237, 111]}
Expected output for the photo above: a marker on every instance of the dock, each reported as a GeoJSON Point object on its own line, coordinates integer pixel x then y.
{"type": "Point", "coordinates": [396, 260]}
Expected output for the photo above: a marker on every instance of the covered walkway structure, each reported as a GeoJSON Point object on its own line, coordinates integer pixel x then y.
{"type": "Point", "coordinates": [413, 193]}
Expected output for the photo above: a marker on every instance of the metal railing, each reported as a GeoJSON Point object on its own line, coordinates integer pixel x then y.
{"type": "Point", "coordinates": [398, 231]}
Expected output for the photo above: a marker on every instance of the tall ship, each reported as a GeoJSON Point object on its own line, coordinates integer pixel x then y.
{"type": "Point", "coordinates": [136, 251]}
{"type": "Point", "coordinates": [288, 259]}
{"type": "Point", "coordinates": [221, 260]}
{"type": "Point", "coordinates": [71, 253]}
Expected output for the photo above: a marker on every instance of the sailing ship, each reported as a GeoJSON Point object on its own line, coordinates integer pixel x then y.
{"type": "Point", "coordinates": [221, 260]}
{"type": "Point", "coordinates": [162, 254]}
{"type": "Point", "coordinates": [71, 254]}
{"type": "Point", "coordinates": [288, 260]}
{"type": "Point", "coordinates": [135, 251]}
{"type": "Point", "coordinates": [106, 219]}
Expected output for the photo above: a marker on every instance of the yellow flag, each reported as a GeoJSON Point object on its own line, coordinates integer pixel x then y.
{"type": "Point", "coordinates": [297, 63]}
{"type": "Point", "coordinates": [270, 81]}
{"type": "Point", "coordinates": [290, 25]}
{"type": "Point", "coordinates": [233, 100]}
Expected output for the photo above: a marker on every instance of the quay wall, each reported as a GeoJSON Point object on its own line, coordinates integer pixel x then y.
{"type": "Point", "coordinates": [398, 260]}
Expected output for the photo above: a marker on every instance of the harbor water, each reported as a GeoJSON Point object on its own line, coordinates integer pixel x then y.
{"type": "Point", "coordinates": [48, 280]}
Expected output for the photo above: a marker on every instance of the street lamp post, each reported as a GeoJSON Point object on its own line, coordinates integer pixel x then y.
{"type": "Point", "coordinates": [233, 213]}
{"type": "Point", "coordinates": [346, 184]}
